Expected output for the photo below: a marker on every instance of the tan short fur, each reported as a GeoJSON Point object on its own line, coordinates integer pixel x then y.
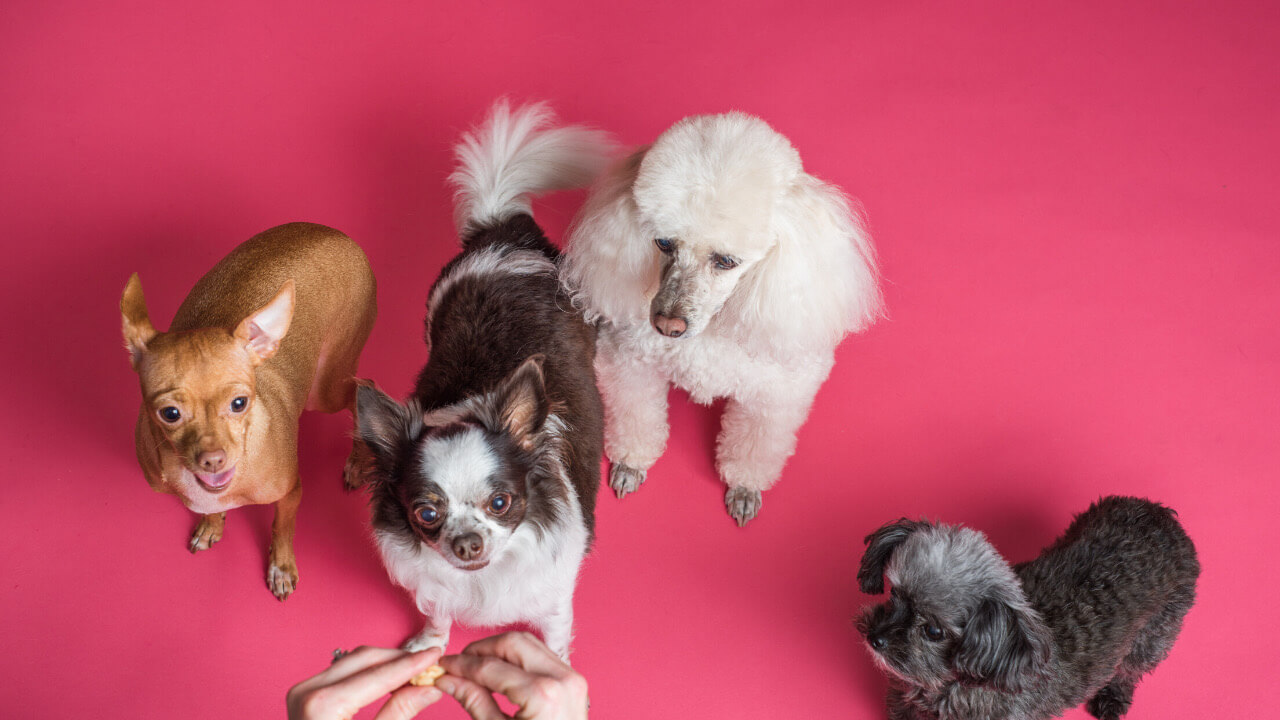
{"type": "Point", "coordinates": [280, 321]}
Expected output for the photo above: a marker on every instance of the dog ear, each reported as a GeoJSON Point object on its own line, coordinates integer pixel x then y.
{"type": "Point", "coordinates": [610, 263]}
{"type": "Point", "coordinates": [137, 327]}
{"type": "Point", "coordinates": [1003, 646]}
{"type": "Point", "coordinates": [263, 330]}
{"type": "Point", "coordinates": [880, 546]}
{"type": "Point", "coordinates": [384, 425]}
{"type": "Point", "coordinates": [521, 401]}
{"type": "Point", "coordinates": [817, 283]}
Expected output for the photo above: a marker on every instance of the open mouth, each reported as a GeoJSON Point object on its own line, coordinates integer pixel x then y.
{"type": "Point", "coordinates": [473, 566]}
{"type": "Point", "coordinates": [216, 482]}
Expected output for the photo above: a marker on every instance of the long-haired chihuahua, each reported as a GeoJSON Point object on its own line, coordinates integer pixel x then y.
{"type": "Point", "coordinates": [484, 494]}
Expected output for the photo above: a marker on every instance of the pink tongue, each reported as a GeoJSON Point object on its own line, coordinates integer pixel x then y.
{"type": "Point", "coordinates": [218, 480]}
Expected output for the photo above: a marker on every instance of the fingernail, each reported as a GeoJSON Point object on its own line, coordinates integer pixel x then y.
{"type": "Point", "coordinates": [446, 685]}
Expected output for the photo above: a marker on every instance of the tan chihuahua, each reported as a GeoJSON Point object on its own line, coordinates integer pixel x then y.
{"type": "Point", "coordinates": [223, 389]}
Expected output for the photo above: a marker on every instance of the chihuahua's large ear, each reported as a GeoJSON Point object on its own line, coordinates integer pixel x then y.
{"type": "Point", "coordinates": [880, 546]}
{"type": "Point", "coordinates": [384, 424]}
{"type": "Point", "coordinates": [137, 327]}
{"type": "Point", "coordinates": [265, 328]}
{"type": "Point", "coordinates": [521, 402]}
{"type": "Point", "coordinates": [1005, 645]}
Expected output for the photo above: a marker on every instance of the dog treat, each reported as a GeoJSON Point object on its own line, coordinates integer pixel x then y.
{"type": "Point", "coordinates": [427, 677]}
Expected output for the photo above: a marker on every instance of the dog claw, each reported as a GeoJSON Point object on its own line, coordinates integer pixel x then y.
{"type": "Point", "coordinates": [743, 504]}
{"type": "Point", "coordinates": [282, 581]}
{"type": "Point", "coordinates": [625, 480]}
{"type": "Point", "coordinates": [208, 532]}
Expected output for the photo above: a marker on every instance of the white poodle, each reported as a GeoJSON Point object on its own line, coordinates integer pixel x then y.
{"type": "Point", "coordinates": [713, 261]}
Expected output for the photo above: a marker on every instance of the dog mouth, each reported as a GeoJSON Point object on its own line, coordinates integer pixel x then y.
{"type": "Point", "coordinates": [216, 482]}
{"type": "Point", "coordinates": [471, 566]}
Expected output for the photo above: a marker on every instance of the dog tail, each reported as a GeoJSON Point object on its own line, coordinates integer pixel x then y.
{"type": "Point", "coordinates": [515, 155]}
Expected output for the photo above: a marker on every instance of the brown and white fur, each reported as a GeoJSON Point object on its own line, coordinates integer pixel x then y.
{"type": "Point", "coordinates": [712, 261]}
{"type": "Point", "coordinates": [273, 329]}
{"type": "Point", "coordinates": [484, 498]}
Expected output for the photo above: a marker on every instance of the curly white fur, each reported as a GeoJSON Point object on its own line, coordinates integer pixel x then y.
{"type": "Point", "coordinates": [761, 333]}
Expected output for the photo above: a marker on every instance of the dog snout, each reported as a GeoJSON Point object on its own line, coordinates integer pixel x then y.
{"type": "Point", "coordinates": [468, 546]}
{"type": "Point", "coordinates": [212, 460]}
{"type": "Point", "coordinates": [669, 326]}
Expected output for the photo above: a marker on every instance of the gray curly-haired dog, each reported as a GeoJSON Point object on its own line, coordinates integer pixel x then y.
{"type": "Point", "coordinates": [967, 637]}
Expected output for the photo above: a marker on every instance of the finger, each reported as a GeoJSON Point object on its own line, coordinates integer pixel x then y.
{"type": "Point", "coordinates": [372, 683]}
{"type": "Point", "coordinates": [348, 664]}
{"type": "Point", "coordinates": [362, 657]}
{"type": "Point", "coordinates": [407, 702]}
{"type": "Point", "coordinates": [493, 673]}
{"type": "Point", "coordinates": [473, 698]}
{"type": "Point", "coordinates": [523, 650]}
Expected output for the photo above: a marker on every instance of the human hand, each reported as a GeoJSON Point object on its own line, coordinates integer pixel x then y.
{"type": "Point", "coordinates": [519, 666]}
{"type": "Point", "coordinates": [360, 677]}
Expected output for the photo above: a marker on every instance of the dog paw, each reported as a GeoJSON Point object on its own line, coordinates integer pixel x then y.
{"type": "Point", "coordinates": [424, 640]}
{"type": "Point", "coordinates": [743, 504]}
{"type": "Point", "coordinates": [282, 580]}
{"type": "Point", "coordinates": [208, 532]}
{"type": "Point", "coordinates": [624, 479]}
{"type": "Point", "coordinates": [1109, 703]}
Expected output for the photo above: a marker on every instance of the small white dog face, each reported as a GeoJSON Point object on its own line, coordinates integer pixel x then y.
{"type": "Point", "coordinates": [706, 193]}
{"type": "Point", "coordinates": [471, 498]}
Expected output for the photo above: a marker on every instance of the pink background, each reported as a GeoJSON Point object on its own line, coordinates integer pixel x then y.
{"type": "Point", "coordinates": [1076, 213]}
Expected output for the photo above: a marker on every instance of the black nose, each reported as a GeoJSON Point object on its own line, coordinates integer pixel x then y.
{"type": "Point", "coordinates": [879, 642]}
{"type": "Point", "coordinates": [468, 547]}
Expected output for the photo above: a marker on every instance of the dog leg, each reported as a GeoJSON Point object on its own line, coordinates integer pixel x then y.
{"type": "Point", "coordinates": [1151, 645]}
{"type": "Point", "coordinates": [635, 428]}
{"type": "Point", "coordinates": [359, 466]}
{"type": "Point", "coordinates": [1112, 701]}
{"type": "Point", "coordinates": [898, 707]}
{"type": "Point", "coordinates": [434, 633]}
{"type": "Point", "coordinates": [756, 438]}
{"type": "Point", "coordinates": [208, 532]}
{"type": "Point", "coordinates": [557, 630]}
{"type": "Point", "coordinates": [282, 567]}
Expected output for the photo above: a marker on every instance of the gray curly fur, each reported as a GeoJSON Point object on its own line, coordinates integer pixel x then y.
{"type": "Point", "coordinates": [1098, 609]}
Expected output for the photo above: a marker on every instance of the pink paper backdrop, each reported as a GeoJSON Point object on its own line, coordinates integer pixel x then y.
{"type": "Point", "coordinates": [1076, 212]}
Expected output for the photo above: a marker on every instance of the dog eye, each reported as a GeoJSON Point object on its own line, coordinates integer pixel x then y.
{"type": "Point", "coordinates": [499, 503]}
{"type": "Point", "coordinates": [170, 414]}
{"type": "Point", "coordinates": [933, 632]}
{"type": "Point", "coordinates": [428, 515]}
{"type": "Point", "coordinates": [724, 262]}
{"type": "Point", "coordinates": [239, 404]}
{"type": "Point", "coordinates": [666, 245]}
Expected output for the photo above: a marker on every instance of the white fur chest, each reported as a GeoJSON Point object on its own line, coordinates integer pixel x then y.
{"type": "Point", "coordinates": [709, 365]}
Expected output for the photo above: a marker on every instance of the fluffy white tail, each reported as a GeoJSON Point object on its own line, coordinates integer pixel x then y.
{"type": "Point", "coordinates": [513, 156]}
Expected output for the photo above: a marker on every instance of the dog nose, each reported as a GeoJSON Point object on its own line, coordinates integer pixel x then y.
{"type": "Point", "coordinates": [669, 326]}
{"type": "Point", "coordinates": [879, 642]}
{"type": "Point", "coordinates": [212, 460]}
{"type": "Point", "coordinates": [468, 547]}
